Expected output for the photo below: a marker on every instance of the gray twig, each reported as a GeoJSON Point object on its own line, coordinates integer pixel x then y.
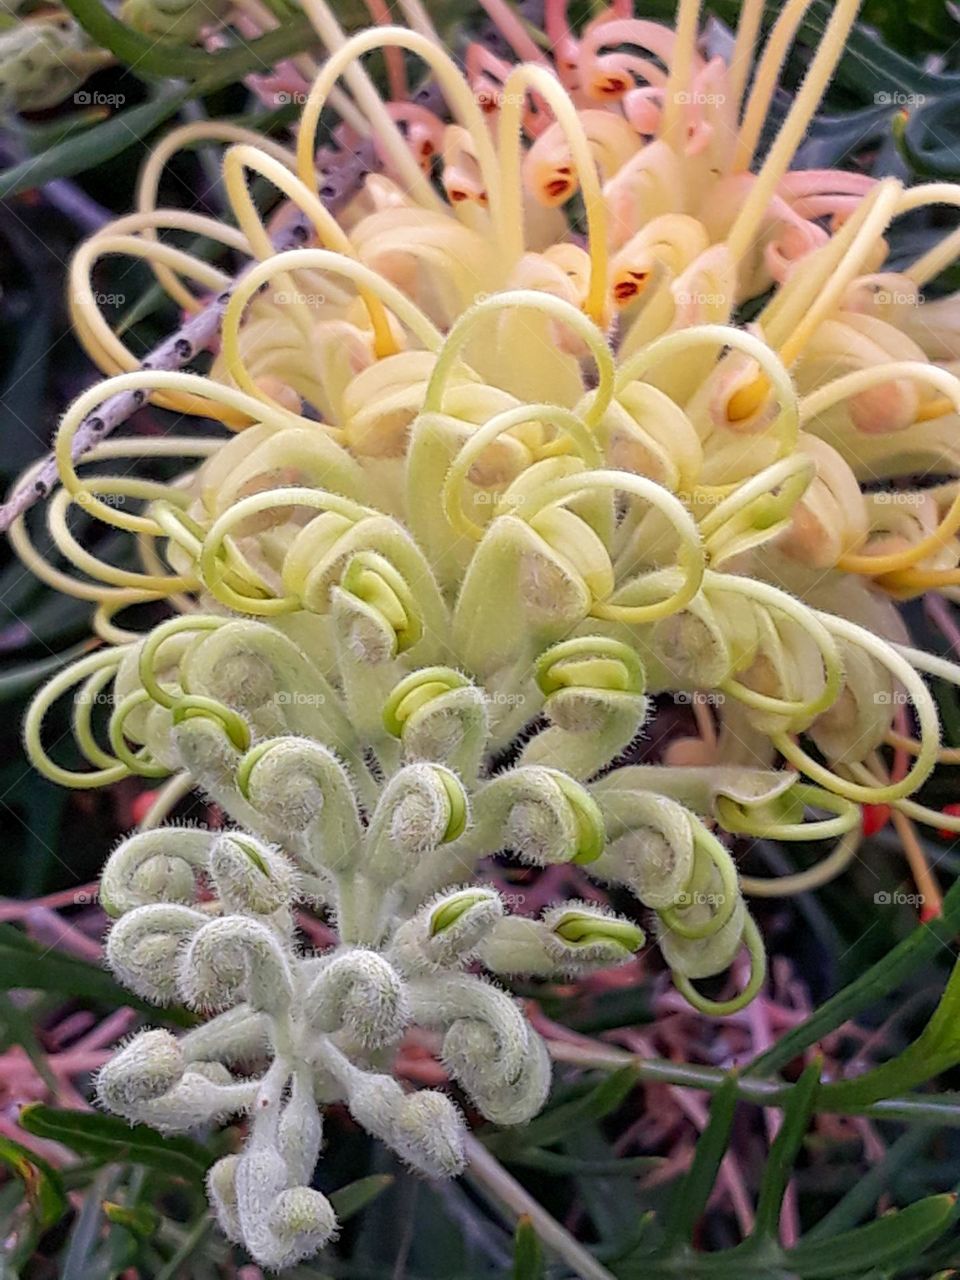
{"type": "Point", "coordinates": [343, 173]}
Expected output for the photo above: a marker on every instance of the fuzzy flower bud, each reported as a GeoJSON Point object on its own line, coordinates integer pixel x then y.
{"type": "Point", "coordinates": [142, 948]}
{"type": "Point", "coordinates": [235, 959]}
{"type": "Point", "coordinates": [146, 1067]}
{"type": "Point", "coordinates": [280, 1225]}
{"type": "Point", "coordinates": [424, 1128]}
{"type": "Point", "coordinates": [250, 876]}
{"type": "Point", "coordinates": [153, 867]}
{"type": "Point", "coordinates": [542, 815]}
{"type": "Point", "coordinates": [361, 992]}
{"type": "Point", "coordinates": [422, 807]}
{"type": "Point", "coordinates": [446, 931]}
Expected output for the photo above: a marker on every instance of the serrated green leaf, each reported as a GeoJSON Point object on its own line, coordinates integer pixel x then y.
{"type": "Point", "coordinates": [897, 1237]}
{"type": "Point", "coordinates": [527, 1253]}
{"type": "Point", "coordinates": [42, 1183]}
{"type": "Point", "coordinates": [112, 1141]}
{"type": "Point", "coordinates": [355, 1196]}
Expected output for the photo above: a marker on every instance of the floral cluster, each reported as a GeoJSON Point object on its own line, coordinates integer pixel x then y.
{"type": "Point", "coordinates": [496, 483]}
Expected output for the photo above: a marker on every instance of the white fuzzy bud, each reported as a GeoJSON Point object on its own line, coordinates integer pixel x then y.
{"type": "Point", "coordinates": [234, 959]}
{"type": "Point", "coordinates": [572, 938]}
{"type": "Point", "coordinates": [301, 787]}
{"type": "Point", "coordinates": [206, 752]}
{"type": "Point", "coordinates": [488, 1047]}
{"type": "Point", "coordinates": [222, 1194]}
{"type": "Point", "coordinates": [424, 1128]}
{"type": "Point", "coordinates": [250, 876]}
{"type": "Point", "coordinates": [142, 948]}
{"type": "Point", "coordinates": [300, 1131]}
{"type": "Point", "coordinates": [280, 1225]}
{"type": "Point", "coordinates": [540, 814]}
{"type": "Point", "coordinates": [428, 1132]}
{"type": "Point", "coordinates": [153, 866]}
{"type": "Point", "coordinates": [446, 931]}
{"type": "Point", "coordinates": [206, 1094]}
{"type": "Point", "coordinates": [148, 1066]}
{"type": "Point", "coordinates": [422, 807]}
{"type": "Point", "coordinates": [361, 992]}
{"type": "Point", "coordinates": [651, 845]}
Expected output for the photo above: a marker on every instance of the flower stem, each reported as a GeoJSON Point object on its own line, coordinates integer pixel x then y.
{"type": "Point", "coordinates": [487, 1170]}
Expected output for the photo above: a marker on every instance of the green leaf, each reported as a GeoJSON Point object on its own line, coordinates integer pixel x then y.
{"type": "Point", "coordinates": [26, 965]}
{"type": "Point", "coordinates": [564, 1119]}
{"type": "Point", "coordinates": [102, 142]}
{"type": "Point", "coordinates": [140, 1220]}
{"type": "Point", "coordinates": [42, 1183]}
{"type": "Point", "coordinates": [147, 56]}
{"type": "Point", "coordinates": [916, 950]}
{"type": "Point", "coordinates": [113, 1141]}
{"type": "Point", "coordinates": [936, 1049]}
{"type": "Point", "coordinates": [556, 1162]}
{"type": "Point", "coordinates": [692, 1193]}
{"type": "Point", "coordinates": [357, 1195]}
{"type": "Point", "coordinates": [139, 52]}
{"type": "Point", "coordinates": [897, 1237]}
{"type": "Point", "coordinates": [784, 1151]}
{"type": "Point", "coordinates": [527, 1254]}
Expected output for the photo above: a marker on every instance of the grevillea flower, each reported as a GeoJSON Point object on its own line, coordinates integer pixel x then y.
{"type": "Point", "coordinates": [480, 508]}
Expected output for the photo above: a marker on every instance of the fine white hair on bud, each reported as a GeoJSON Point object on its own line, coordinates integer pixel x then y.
{"type": "Point", "coordinates": [222, 1194]}
{"type": "Point", "coordinates": [447, 930]}
{"type": "Point", "coordinates": [541, 815]}
{"type": "Point", "coordinates": [361, 992]}
{"type": "Point", "coordinates": [205, 1094]}
{"type": "Point", "coordinates": [250, 875]}
{"type": "Point", "coordinates": [232, 959]}
{"type": "Point", "coordinates": [427, 1135]}
{"type": "Point", "coordinates": [206, 751]}
{"type": "Point", "coordinates": [488, 1045]}
{"type": "Point", "coordinates": [153, 866]}
{"type": "Point", "coordinates": [303, 788]}
{"type": "Point", "coordinates": [237, 1037]}
{"type": "Point", "coordinates": [280, 1224]}
{"type": "Point", "coordinates": [142, 948]}
{"type": "Point", "coordinates": [300, 1130]}
{"type": "Point", "coordinates": [651, 845]}
{"type": "Point", "coordinates": [428, 1132]}
{"type": "Point", "coordinates": [572, 938]}
{"type": "Point", "coordinates": [444, 720]}
{"type": "Point", "coordinates": [147, 1066]}
{"type": "Point", "coordinates": [420, 808]}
